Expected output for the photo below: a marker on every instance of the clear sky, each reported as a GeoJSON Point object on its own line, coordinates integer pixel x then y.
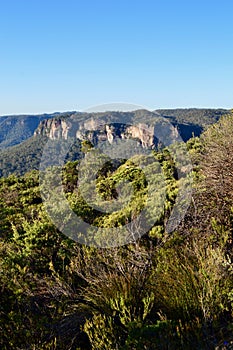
{"type": "Point", "coordinates": [59, 55]}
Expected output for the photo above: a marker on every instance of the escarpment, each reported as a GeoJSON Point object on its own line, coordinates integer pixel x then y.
{"type": "Point", "coordinates": [109, 127]}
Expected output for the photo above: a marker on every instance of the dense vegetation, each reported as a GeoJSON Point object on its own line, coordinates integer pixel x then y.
{"type": "Point", "coordinates": [25, 157]}
{"type": "Point", "coordinates": [162, 291]}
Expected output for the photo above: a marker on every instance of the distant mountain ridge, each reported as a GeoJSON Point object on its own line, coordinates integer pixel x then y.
{"type": "Point", "coordinates": [22, 138]}
{"type": "Point", "coordinates": [15, 129]}
{"type": "Point", "coordinates": [188, 122]}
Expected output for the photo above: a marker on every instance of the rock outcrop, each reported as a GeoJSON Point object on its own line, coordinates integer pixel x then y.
{"type": "Point", "coordinates": [97, 128]}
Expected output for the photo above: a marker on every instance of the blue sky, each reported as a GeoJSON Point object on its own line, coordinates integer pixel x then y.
{"type": "Point", "coordinates": [70, 55]}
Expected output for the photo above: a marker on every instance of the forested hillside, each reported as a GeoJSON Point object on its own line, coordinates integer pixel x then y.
{"type": "Point", "coordinates": [161, 291]}
{"type": "Point", "coordinates": [195, 116]}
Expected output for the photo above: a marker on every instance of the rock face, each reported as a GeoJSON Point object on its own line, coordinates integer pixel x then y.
{"type": "Point", "coordinates": [97, 129]}
{"type": "Point", "coordinates": [57, 129]}
{"type": "Point", "coordinates": [54, 129]}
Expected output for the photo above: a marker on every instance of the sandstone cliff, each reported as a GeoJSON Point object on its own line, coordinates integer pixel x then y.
{"type": "Point", "coordinates": [146, 128]}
